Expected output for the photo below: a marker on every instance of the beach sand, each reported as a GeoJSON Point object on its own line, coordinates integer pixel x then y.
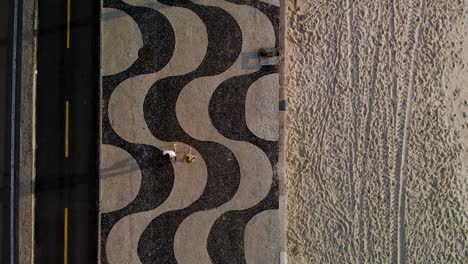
{"type": "Point", "coordinates": [378, 131]}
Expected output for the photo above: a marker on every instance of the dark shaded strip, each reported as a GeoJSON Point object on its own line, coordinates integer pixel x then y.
{"type": "Point", "coordinates": [156, 244]}
{"type": "Point", "coordinates": [156, 171]}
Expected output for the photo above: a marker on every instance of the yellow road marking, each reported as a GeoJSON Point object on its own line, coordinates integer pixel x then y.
{"type": "Point", "coordinates": [68, 24]}
{"type": "Point", "coordinates": [65, 237]}
{"type": "Point", "coordinates": [67, 124]}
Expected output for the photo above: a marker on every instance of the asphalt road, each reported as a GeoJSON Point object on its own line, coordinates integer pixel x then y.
{"type": "Point", "coordinates": [66, 213]}
{"type": "Point", "coordinates": [5, 118]}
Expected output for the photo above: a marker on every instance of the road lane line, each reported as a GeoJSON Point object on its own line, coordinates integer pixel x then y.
{"type": "Point", "coordinates": [68, 24]}
{"type": "Point", "coordinates": [65, 237]}
{"type": "Point", "coordinates": [67, 124]}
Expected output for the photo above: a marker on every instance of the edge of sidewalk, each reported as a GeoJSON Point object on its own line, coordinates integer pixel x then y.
{"type": "Point", "coordinates": [27, 94]}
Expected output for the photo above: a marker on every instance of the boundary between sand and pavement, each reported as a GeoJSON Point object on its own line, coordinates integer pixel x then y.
{"type": "Point", "coordinates": [282, 134]}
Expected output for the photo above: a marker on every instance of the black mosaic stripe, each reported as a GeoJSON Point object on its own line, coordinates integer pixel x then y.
{"type": "Point", "coordinates": [158, 39]}
{"type": "Point", "coordinates": [224, 46]}
{"type": "Point", "coordinates": [227, 112]}
{"type": "Point", "coordinates": [156, 171]}
{"type": "Point", "coordinates": [226, 238]}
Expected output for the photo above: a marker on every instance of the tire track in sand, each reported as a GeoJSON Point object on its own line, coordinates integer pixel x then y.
{"type": "Point", "coordinates": [367, 130]}
{"type": "Point", "coordinates": [353, 70]}
{"type": "Point", "coordinates": [403, 129]}
{"type": "Point", "coordinates": [388, 149]}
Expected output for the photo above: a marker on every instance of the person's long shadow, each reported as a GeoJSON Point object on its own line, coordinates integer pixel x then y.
{"type": "Point", "coordinates": [57, 182]}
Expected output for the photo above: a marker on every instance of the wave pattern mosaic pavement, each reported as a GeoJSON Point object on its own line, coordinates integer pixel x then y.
{"type": "Point", "coordinates": [189, 85]}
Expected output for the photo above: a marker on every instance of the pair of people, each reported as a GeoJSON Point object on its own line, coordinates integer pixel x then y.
{"type": "Point", "coordinates": [172, 155]}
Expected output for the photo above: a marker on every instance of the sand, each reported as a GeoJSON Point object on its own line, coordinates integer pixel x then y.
{"type": "Point", "coordinates": [378, 131]}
